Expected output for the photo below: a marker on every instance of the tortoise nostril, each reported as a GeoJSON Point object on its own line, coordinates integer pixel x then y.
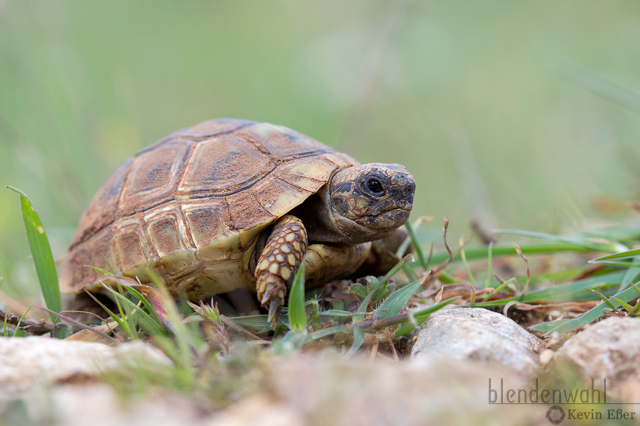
{"type": "Point", "coordinates": [410, 188]}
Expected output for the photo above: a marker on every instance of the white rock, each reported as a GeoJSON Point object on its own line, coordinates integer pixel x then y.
{"type": "Point", "coordinates": [420, 392]}
{"type": "Point", "coordinates": [29, 361]}
{"type": "Point", "coordinates": [608, 350]}
{"type": "Point", "coordinates": [480, 335]}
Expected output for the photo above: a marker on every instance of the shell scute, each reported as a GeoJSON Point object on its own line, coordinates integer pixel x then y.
{"type": "Point", "coordinates": [277, 197]}
{"type": "Point", "coordinates": [128, 244]}
{"type": "Point", "coordinates": [282, 141]}
{"type": "Point", "coordinates": [245, 210]}
{"type": "Point", "coordinates": [222, 165]}
{"type": "Point", "coordinates": [164, 228]}
{"type": "Point", "coordinates": [206, 220]}
{"type": "Point", "coordinates": [308, 173]}
{"type": "Point", "coordinates": [153, 177]}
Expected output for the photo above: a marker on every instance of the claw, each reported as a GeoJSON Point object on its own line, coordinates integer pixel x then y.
{"type": "Point", "coordinates": [274, 312]}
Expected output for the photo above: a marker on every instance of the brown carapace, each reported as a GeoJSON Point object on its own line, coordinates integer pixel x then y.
{"type": "Point", "coordinates": [231, 204]}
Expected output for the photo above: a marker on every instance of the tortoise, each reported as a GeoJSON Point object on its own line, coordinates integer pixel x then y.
{"type": "Point", "coordinates": [230, 204]}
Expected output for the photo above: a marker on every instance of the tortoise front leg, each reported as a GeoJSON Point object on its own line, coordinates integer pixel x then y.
{"type": "Point", "coordinates": [325, 262]}
{"type": "Point", "coordinates": [279, 262]}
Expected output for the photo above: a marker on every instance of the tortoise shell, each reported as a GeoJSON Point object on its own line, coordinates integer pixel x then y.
{"type": "Point", "coordinates": [191, 206]}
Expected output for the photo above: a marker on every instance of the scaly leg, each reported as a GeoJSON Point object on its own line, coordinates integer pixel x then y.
{"type": "Point", "coordinates": [278, 263]}
{"type": "Point", "coordinates": [325, 262]}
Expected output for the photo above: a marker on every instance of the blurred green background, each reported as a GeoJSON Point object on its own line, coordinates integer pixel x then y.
{"type": "Point", "coordinates": [464, 94]}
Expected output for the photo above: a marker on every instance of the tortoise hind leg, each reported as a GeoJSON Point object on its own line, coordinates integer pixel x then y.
{"type": "Point", "coordinates": [278, 263]}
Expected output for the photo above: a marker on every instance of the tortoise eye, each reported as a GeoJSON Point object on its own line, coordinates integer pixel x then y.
{"type": "Point", "coordinates": [375, 186]}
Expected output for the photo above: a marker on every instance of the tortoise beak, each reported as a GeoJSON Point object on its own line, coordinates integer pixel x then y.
{"type": "Point", "coordinates": [404, 188]}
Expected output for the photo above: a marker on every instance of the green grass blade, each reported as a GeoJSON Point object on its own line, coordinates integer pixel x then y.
{"type": "Point", "coordinates": [576, 290]}
{"type": "Point", "coordinates": [297, 313]}
{"type": "Point", "coordinates": [325, 332]}
{"type": "Point", "coordinates": [595, 313]}
{"type": "Point", "coordinates": [416, 246]}
{"type": "Point", "coordinates": [358, 340]}
{"type": "Point", "coordinates": [257, 323]}
{"type": "Point", "coordinates": [617, 256]}
{"type": "Point", "coordinates": [113, 316]}
{"type": "Point", "coordinates": [421, 316]}
{"type": "Point", "coordinates": [626, 306]}
{"type": "Point", "coordinates": [102, 271]}
{"type": "Point", "coordinates": [397, 300]}
{"type": "Point", "coordinates": [154, 316]}
{"type": "Point", "coordinates": [465, 264]}
{"type": "Point", "coordinates": [41, 253]}
{"type": "Point", "coordinates": [614, 246]}
{"type": "Point", "coordinates": [153, 325]}
{"type": "Point", "coordinates": [337, 313]}
{"type": "Point", "coordinates": [631, 275]}
{"type": "Point", "coordinates": [487, 282]}
{"type": "Point", "coordinates": [550, 325]}
{"type": "Point", "coordinates": [533, 247]}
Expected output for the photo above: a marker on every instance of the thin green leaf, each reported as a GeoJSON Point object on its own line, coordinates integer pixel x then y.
{"type": "Point", "coordinates": [337, 313]}
{"type": "Point", "coordinates": [409, 272]}
{"type": "Point", "coordinates": [257, 323]}
{"type": "Point", "coordinates": [487, 282]}
{"type": "Point", "coordinates": [614, 263]}
{"type": "Point", "coordinates": [155, 319]}
{"type": "Point", "coordinates": [102, 271]}
{"type": "Point", "coordinates": [394, 270]}
{"type": "Point", "coordinates": [129, 308]}
{"type": "Point", "coordinates": [397, 300]}
{"type": "Point", "coordinates": [614, 246]}
{"type": "Point", "coordinates": [15, 330]}
{"type": "Point", "coordinates": [626, 306]}
{"type": "Point", "coordinates": [533, 247]}
{"type": "Point", "coordinates": [297, 313]}
{"type": "Point", "coordinates": [325, 332]}
{"type": "Point", "coordinates": [113, 316]}
{"type": "Point", "coordinates": [497, 289]}
{"type": "Point", "coordinates": [594, 314]}
{"type": "Point", "coordinates": [123, 316]}
{"type": "Point", "coordinates": [550, 325]}
{"type": "Point", "coordinates": [41, 254]}
{"type": "Point", "coordinates": [420, 316]}
{"type": "Point", "coordinates": [358, 340]}
{"type": "Point", "coordinates": [152, 326]}
{"type": "Point", "coordinates": [617, 256]}
{"type": "Point", "coordinates": [576, 290]}
{"type": "Point", "coordinates": [416, 246]}
{"type": "Point", "coordinates": [604, 298]}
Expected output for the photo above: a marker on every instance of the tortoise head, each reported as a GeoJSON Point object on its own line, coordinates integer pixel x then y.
{"type": "Point", "coordinates": [370, 201]}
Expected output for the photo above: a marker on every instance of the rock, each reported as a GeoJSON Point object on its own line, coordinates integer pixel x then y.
{"type": "Point", "coordinates": [260, 409]}
{"type": "Point", "coordinates": [607, 350]}
{"type": "Point", "coordinates": [98, 404]}
{"type": "Point", "coordinates": [435, 391]}
{"type": "Point", "coordinates": [29, 361]}
{"type": "Point", "coordinates": [479, 335]}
